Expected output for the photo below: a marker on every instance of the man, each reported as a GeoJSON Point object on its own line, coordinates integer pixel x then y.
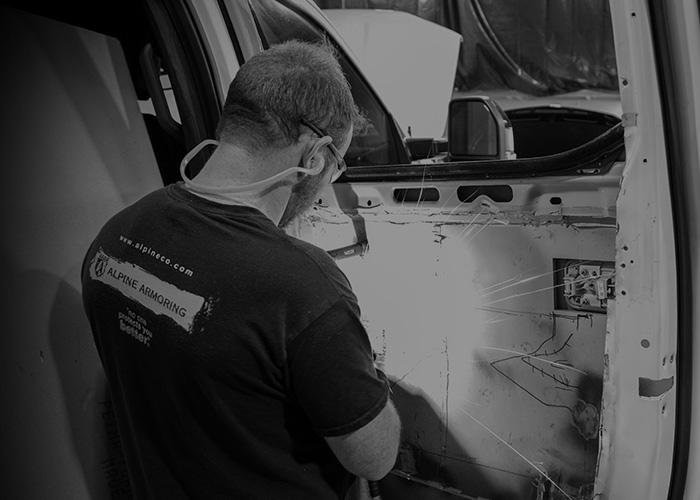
{"type": "Point", "coordinates": [237, 361]}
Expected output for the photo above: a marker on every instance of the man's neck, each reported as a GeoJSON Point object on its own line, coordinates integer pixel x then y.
{"type": "Point", "coordinates": [230, 165]}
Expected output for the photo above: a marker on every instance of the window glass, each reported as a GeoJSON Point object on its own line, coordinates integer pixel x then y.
{"type": "Point", "coordinates": [378, 144]}
{"type": "Point", "coordinates": [473, 121]}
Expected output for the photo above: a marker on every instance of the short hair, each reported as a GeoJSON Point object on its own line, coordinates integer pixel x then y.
{"type": "Point", "coordinates": [277, 88]}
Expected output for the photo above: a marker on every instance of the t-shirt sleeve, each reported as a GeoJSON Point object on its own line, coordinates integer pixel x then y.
{"type": "Point", "coordinates": [332, 373]}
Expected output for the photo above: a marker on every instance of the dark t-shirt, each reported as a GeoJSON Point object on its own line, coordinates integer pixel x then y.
{"type": "Point", "coordinates": [230, 348]}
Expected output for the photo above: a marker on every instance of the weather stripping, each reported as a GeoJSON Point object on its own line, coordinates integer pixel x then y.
{"type": "Point", "coordinates": [592, 158]}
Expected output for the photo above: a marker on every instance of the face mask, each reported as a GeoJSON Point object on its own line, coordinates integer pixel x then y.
{"type": "Point", "coordinates": [236, 188]}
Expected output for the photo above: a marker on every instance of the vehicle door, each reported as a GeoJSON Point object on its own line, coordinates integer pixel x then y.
{"type": "Point", "coordinates": [526, 310]}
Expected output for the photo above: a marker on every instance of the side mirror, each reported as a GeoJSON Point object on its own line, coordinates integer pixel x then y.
{"type": "Point", "coordinates": [478, 129]}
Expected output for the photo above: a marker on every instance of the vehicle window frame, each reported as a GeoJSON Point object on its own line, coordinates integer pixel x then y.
{"type": "Point", "coordinates": [190, 71]}
{"type": "Point", "coordinates": [594, 158]}
{"type": "Point", "coordinates": [670, 89]}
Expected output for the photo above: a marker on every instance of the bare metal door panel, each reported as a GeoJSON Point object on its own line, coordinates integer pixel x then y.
{"type": "Point", "coordinates": [490, 379]}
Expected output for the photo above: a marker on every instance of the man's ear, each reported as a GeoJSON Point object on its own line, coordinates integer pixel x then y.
{"type": "Point", "coordinates": [314, 157]}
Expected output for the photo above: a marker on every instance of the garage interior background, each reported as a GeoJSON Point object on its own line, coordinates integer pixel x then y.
{"type": "Point", "coordinates": [538, 47]}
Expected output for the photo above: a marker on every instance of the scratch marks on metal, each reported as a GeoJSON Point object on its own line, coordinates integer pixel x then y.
{"type": "Point", "coordinates": [519, 281]}
{"type": "Point", "coordinates": [470, 224]}
{"type": "Point", "coordinates": [527, 460]}
{"type": "Point", "coordinates": [534, 291]}
{"type": "Point", "coordinates": [446, 405]}
{"type": "Point", "coordinates": [477, 233]}
{"type": "Point", "coordinates": [416, 365]}
{"type": "Point", "coordinates": [524, 355]}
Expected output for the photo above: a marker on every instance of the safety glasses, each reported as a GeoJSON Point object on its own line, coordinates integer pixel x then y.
{"type": "Point", "coordinates": [341, 166]}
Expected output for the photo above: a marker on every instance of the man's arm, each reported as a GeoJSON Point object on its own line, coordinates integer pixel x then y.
{"type": "Point", "coordinates": [370, 451]}
{"type": "Point", "coordinates": [345, 396]}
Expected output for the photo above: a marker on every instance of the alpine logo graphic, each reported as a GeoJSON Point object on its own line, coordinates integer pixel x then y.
{"type": "Point", "coordinates": [101, 264]}
{"type": "Point", "coordinates": [148, 289]}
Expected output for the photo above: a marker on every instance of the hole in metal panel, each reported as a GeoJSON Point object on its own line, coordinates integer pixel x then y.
{"type": "Point", "coordinates": [555, 200]}
{"type": "Point", "coordinates": [409, 195]}
{"type": "Point", "coordinates": [584, 285]}
{"type": "Point", "coordinates": [653, 388]}
{"type": "Point", "coordinates": [497, 193]}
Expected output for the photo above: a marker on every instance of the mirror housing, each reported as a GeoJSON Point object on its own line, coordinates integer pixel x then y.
{"type": "Point", "coordinates": [478, 129]}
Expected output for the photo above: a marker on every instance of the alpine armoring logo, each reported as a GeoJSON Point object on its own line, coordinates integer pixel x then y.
{"type": "Point", "coordinates": [101, 264]}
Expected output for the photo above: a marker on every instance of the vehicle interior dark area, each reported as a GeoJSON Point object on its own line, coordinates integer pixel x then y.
{"type": "Point", "coordinates": [547, 130]}
{"type": "Point", "coordinates": [132, 23]}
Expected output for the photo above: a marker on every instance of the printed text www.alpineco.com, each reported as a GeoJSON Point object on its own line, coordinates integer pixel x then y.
{"type": "Point", "coordinates": [145, 249]}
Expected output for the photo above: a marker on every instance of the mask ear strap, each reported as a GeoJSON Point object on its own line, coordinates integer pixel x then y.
{"type": "Point", "coordinates": [236, 188]}
{"type": "Point", "coordinates": [194, 152]}
{"type": "Point", "coordinates": [316, 148]}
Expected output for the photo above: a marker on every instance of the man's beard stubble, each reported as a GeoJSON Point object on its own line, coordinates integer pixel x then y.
{"type": "Point", "coordinates": [304, 193]}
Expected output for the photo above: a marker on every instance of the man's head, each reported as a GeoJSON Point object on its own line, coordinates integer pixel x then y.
{"type": "Point", "coordinates": [293, 95]}
{"type": "Point", "coordinates": [276, 90]}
